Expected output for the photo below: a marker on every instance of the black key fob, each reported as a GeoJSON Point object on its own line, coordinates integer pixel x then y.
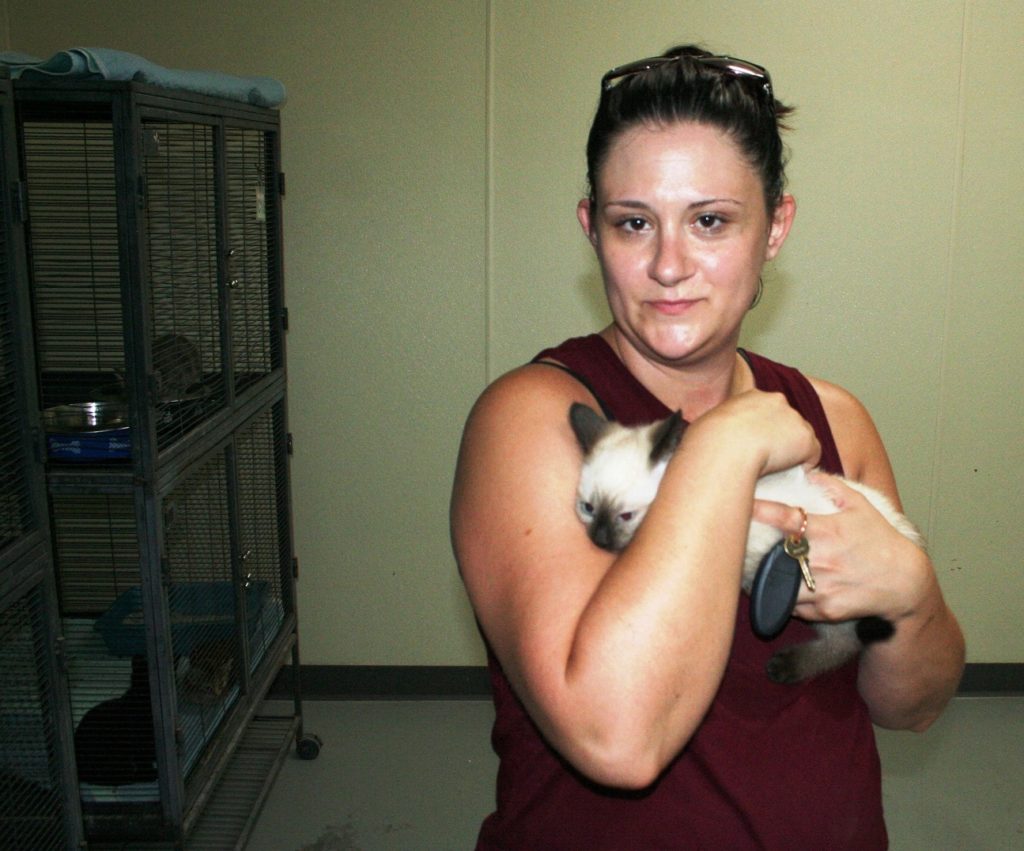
{"type": "Point", "coordinates": [773, 592]}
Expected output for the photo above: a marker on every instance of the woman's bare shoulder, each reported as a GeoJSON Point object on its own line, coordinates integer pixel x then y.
{"type": "Point", "coordinates": [860, 445]}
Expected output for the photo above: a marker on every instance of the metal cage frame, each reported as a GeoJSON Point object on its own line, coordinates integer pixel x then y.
{"type": "Point", "coordinates": [153, 215]}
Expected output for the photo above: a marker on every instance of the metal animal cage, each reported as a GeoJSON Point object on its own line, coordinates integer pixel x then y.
{"type": "Point", "coordinates": [155, 277]}
{"type": "Point", "coordinates": [191, 244]}
{"type": "Point", "coordinates": [38, 804]}
{"type": "Point", "coordinates": [222, 596]}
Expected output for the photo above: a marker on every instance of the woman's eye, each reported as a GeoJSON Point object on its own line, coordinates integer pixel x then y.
{"type": "Point", "coordinates": [709, 221]}
{"type": "Point", "coordinates": [633, 223]}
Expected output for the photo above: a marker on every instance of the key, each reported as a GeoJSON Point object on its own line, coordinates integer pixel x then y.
{"type": "Point", "coordinates": [796, 547]}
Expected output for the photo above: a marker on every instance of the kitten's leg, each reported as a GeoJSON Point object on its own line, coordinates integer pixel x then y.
{"type": "Point", "coordinates": [835, 644]}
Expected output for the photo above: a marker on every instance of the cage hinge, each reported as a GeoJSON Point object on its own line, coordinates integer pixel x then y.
{"type": "Point", "coordinates": [153, 387]}
{"type": "Point", "coordinates": [289, 443]}
{"type": "Point", "coordinates": [19, 200]}
{"type": "Point", "coordinates": [60, 654]}
{"type": "Point", "coordinates": [295, 567]}
{"type": "Point", "coordinates": [284, 318]}
{"type": "Point", "coordinates": [280, 183]}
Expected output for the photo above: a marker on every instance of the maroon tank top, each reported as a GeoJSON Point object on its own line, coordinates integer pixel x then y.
{"type": "Point", "coordinates": [770, 767]}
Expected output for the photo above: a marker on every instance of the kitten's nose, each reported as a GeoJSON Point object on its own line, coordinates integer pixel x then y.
{"type": "Point", "coordinates": [602, 534]}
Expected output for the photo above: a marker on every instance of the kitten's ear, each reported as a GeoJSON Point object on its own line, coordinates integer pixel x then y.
{"type": "Point", "coordinates": [666, 437]}
{"type": "Point", "coordinates": [587, 425]}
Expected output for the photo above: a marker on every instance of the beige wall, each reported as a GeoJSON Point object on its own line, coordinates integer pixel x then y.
{"type": "Point", "coordinates": [434, 158]}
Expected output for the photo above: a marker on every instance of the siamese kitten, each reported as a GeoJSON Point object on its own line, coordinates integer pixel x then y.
{"type": "Point", "coordinates": [622, 467]}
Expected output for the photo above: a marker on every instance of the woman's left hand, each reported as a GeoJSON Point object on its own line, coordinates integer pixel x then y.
{"type": "Point", "coordinates": [862, 565]}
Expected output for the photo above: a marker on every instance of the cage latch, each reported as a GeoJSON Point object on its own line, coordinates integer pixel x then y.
{"type": "Point", "coordinates": [151, 142]}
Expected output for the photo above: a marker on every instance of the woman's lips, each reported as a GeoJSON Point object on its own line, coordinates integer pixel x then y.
{"type": "Point", "coordinates": [673, 307]}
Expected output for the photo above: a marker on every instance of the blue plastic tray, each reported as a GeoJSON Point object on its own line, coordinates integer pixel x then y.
{"type": "Point", "coordinates": [96, 446]}
{"type": "Point", "coordinates": [200, 611]}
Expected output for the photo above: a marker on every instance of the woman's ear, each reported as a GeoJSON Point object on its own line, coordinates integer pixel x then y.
{"type": "Point", "coordinates": [584, 213]}
{"type": "Point", "coordinates": [782, 221]}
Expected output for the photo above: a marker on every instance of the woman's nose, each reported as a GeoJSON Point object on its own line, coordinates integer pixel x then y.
{"type": "Point", "coordinates": [671, 262]}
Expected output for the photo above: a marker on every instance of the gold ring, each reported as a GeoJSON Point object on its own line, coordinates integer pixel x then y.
{"type": "Point", "coordinates": [803, 522]}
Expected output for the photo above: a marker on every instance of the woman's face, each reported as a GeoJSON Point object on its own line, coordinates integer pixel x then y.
{"type": "Point", "coordinates": [681, 232]}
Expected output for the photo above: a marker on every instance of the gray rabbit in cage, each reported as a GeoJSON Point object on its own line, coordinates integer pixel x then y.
{"type": "Point", "coordinates": [177, 368]}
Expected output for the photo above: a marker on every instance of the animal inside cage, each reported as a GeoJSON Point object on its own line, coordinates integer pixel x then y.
{"type": "Point", "coordinates": [155, 294]}
{"type": "Point", "coordinates": [222, 603]}
{"type": "Point", "coordinates": [189, 285]}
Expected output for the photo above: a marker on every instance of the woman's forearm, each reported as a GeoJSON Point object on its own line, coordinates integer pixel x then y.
{"type": "Point", "coordinates": [907, 680]}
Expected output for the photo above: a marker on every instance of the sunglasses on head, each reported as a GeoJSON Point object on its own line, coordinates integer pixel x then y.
{"type": "Point", "coordinates": [725, 64]}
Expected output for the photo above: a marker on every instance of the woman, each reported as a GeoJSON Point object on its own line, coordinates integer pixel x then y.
{"type": "Point", "coordinates": [633, 710]}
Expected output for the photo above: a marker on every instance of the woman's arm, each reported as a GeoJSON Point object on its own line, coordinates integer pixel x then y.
{"type": "Point", "coordinates": [616, 658]}
{"type": "Point", "coordinates": [908, 679]}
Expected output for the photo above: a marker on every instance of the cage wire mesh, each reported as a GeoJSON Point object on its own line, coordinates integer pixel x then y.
{"type": "Point", "coordinates": [96, 558]}
{"type": "Point", "coordinates": [203, 605]}
{"type": "Point", "coordinates": [72, 202]}
{"type": "Point", "coordinates": [16, 516]}
{"type": "Point", "coordinates": [184, 304]}
{"type": "Point", "coordinates": [31, 802]}
{"type": "Point", "coordinates": [96, 550]}
{"type": "Point", "coordinates": [263, 521]}
{"type": "Point", "coordinates": [253, 284]}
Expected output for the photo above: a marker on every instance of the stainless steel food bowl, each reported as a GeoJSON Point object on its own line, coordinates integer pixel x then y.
{"type": "Point", "coordinates": [85, 417]}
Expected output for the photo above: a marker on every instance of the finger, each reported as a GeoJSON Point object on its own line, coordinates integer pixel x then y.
{"type": "Point", "coordinates": [805, 609]}
{"type": "Point", "coordinates": [837, 490]}
{"type": "Point", "coordinates": [788, 519]}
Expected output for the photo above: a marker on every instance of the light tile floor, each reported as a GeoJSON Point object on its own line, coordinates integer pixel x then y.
{"type": "Point", "coordinates": [419, 776]}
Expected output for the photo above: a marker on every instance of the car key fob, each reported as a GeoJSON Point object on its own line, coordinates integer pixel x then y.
{"type": "Point", "coordinates": [773, 592]}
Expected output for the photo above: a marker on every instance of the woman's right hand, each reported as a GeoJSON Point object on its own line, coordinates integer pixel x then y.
{"type": "Point", "coordinates": [759, 428]}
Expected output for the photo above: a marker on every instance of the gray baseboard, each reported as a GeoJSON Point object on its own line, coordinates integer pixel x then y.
{"type": "Point", "coordinates": [457, 682]}
{"type": "Point", "coordinates": [386, 682]}
{"type": "Point", "coordinates": [992, 678]}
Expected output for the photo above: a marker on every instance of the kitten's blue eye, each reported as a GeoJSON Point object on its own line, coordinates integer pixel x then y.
{"type": "Point", "coordinates": [587, 508]}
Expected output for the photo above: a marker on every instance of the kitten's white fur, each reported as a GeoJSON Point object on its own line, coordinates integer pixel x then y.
{"type": "Point", "coordinates": [619, 479]}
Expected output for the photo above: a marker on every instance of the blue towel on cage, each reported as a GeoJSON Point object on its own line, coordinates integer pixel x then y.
{"type": "Point", "coordinates": [100, 63]}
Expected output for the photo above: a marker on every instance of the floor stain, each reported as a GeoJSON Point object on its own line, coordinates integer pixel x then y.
{"type": "Point", "coordinates": [334, 838]}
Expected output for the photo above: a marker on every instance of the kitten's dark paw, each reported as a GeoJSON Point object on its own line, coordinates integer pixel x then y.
{"type": "Point", "coordinates": [872, 629]}
{"type": "Point", "coordinates": [782, 668]}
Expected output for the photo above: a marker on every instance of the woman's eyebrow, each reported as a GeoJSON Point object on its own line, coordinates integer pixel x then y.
{"type": "Point", "coordinates": [704, 202]}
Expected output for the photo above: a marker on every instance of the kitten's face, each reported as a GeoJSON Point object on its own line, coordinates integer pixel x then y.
{"type": "Point", "coordinates": [622, 468]}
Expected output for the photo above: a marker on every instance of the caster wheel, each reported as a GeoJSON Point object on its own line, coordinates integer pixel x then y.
{"type": "Point", "coordinates": [308, 747]}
